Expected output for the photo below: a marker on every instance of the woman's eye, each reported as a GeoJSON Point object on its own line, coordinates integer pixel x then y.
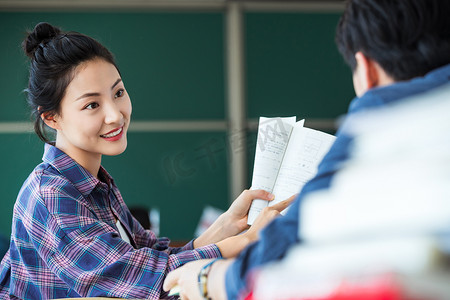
{"type": "Point", "coordinates": [119, 93]}
{"type": "Point", "coordinates": [91, 105]}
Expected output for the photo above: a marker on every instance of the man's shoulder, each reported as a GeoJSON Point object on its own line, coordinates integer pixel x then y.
{"type": "Point", "coordinates": [399, 91]}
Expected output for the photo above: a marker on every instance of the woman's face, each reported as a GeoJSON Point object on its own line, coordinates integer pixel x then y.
{"type": "Point", "coordinates": [94, 113]}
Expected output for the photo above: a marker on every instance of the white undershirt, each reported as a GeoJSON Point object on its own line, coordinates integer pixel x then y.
{"type": "Point", "coordinates": [122, 232]}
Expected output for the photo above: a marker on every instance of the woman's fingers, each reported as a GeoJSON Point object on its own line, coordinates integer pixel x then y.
{"type": "Point", "coordinates": [240, 206]}
{"type": "Point", "coordinates": [257, 194]}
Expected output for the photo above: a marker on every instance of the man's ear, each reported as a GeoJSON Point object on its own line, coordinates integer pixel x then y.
{"type": "Point", "coordinates": [49, 119]}
{"type": "Point", "coordinates": [368, 71]}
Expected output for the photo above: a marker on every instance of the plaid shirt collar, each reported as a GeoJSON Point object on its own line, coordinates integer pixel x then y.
{"type": "Point", "coordinates": [84, 181]}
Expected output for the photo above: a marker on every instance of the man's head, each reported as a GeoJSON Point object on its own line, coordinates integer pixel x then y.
{"type": "Point", "coordinates": [405, 38]}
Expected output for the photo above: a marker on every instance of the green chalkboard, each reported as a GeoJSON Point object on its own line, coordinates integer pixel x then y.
{"type": "Point", "coordinates": [293, 66]}
{"type": "Point", "coordinates": [20, 154]}
{"type": "Point", "coordinates": [171, 63]}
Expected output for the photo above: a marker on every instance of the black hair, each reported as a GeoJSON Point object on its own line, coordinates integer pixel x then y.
{"type": "Point", "coordinates": [407, 38]}
{"type": "Point", "coordinates": [54, 57]}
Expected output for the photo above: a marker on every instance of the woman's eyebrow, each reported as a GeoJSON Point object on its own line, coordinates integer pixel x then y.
{"type": "Point", "coordinates": [116, 83]}
{"type": "Point", "coordinates": [98, 94]}
{"type": "Point", "coordinates": [87, 95]}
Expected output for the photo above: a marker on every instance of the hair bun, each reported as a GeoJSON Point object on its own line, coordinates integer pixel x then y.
{"type": "Point", "coordinates": [42, 32]}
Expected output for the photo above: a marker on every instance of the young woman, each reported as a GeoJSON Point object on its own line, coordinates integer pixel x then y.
{"type": "Point", "coordinates": [72, 234]}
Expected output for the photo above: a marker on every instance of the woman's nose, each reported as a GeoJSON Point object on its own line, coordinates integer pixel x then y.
{"type": "Point", "coordinates": [112, 113]}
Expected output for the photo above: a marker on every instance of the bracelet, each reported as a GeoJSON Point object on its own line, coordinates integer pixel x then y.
{"type": "Point", "coordinates": [203, 279]}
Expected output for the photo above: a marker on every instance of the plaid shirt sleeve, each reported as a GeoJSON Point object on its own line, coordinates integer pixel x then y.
{"type": "Point", "coordinates": [76, 250]}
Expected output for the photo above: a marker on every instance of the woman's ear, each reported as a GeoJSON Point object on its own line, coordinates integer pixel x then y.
{"type": "Point", "coordinates": [49, 119]}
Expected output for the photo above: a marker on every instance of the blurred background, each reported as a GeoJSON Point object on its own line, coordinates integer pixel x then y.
{"type": "Point", "coordinates": [199, 74]}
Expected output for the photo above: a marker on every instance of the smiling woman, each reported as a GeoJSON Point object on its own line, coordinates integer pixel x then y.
{"type": "Point", "coordinates": [72, 233]}
{"type": "Point", "coordinates": [94, 115]}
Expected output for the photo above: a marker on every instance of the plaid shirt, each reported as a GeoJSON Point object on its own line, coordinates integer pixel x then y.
{"type": "Point", "coordinates": [65, 243]}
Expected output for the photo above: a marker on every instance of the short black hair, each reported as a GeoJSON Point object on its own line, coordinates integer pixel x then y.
{"type": "Point", "coordinates": [54, 56]}
{"type": "Point", "coordinates": [408, 38]}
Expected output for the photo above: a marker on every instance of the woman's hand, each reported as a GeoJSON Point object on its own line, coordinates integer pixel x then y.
{"type": "Point", "coordinates": [232, 246]}
{"type": "Point", "coordinates": [234, 220]}
{"type": "Point", "coordinates": [224, 230]}
{"type": "Point", "coordinates": [236, 217]}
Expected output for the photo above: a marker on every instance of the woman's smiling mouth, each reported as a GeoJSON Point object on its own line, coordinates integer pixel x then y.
{"type": "Point", "coordinates": [112, 133]}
